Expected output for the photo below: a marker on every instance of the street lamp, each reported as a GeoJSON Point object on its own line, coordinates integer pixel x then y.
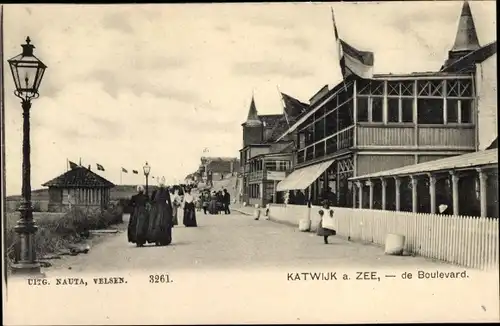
{"type": "Point", "coordinates": [146, 168]}
{"type": "Point", "coordinates": [27, 71]}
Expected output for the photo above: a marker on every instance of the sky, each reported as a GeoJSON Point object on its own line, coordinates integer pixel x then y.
{"type": "Point", "coordinates": [127, 84]}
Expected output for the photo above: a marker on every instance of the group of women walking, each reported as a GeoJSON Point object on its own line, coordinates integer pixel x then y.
{"type": "Point", "coordinates": [152, 219]}
{"type": "Point", "coordinates": [215, 202]}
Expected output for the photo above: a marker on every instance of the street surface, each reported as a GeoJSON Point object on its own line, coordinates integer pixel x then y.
{"type": "Point", "coordinates": [233, 241]}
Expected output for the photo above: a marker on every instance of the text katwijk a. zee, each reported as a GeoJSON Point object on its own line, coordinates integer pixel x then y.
{"type": "Point", "coordinates": [376, 276]}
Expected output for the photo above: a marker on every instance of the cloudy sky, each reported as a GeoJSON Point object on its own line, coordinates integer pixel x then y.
{"type": "Point", "coordinates": [159, 83]}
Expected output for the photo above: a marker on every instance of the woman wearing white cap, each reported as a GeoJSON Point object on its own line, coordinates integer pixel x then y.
{"type": "Point", "coordinates": [138, 223]}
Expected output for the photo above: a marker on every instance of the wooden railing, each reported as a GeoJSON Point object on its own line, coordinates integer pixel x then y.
{"type": "Point", "coordinates": [446, 137]}
{"type": "Point", "coordinates": [442, 137]}
{"type": "Point", "coordinates": [461, 240]}
{"type": "Point", "coordinates": [385, 136]}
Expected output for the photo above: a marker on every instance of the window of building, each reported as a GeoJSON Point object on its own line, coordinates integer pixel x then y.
{"type": "Point", "coordinates": [452, 110]}
{"type": "Point", "coordinates": [393, 109]}
{"type": "Point", "coordinates": [407, 109]}
{"type": "Point", "coordinates": [377, 109]}
{"type": "Point", "coordinates": [302, 140]}
{"type": "Point", "coordinates": [331, 145]}
{"type": "Point", "coordinates": [309, 153]}
{"type": "Point", "coordinates": [345, 118]}
{"type": "Point", "coordinates": [331, 123]}
{"type": "Point", "coordinates": [319, 130]}
{"type": "Point", "coordinates": [319, 149]}
{"type": "Point", "coordinates": [466, 111]}
{"type": "Point", "coordinates": [283, 165]}
{"type": "Point", "coordinates": [430, 111]}
{"type": "Point", "coordinates": [319, 113]}
{"type": "Point", "coordinates": [362, 109]}
{"type": "Point", "coordinates": [300, 156]}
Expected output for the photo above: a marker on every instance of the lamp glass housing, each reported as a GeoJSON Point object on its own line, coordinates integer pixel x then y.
{"type": "Point", "coordinates": [27, 71]}
{"type": "Point", "coordinates": [146, 168]}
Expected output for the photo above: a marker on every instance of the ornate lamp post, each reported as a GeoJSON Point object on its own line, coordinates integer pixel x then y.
{"type": "Point", "coordinates": [146, 168]}
{"type": "Point", "coordinates": [27, 71]}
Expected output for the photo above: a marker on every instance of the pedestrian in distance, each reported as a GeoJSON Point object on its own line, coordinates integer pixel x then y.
{"type": "Point", "coordinates": [205, 198]}
{"type": "Point", "coordinates": [212, 206]}
{"type": "Point", "coordinates": [323, 231]}
{"type": "Point", "coordinates": [226, 199]}
{"type": "Point", "coordinates": [176, 204]}
{"type": "Point", "coordinates": [139, 218]}
{"type": "Point", "coordinates": [189, 210]}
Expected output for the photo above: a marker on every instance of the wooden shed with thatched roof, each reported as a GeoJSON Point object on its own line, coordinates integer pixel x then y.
{"type": "Point", "coordinates": [78, 187]}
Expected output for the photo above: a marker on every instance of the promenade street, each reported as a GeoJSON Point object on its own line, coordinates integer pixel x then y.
{"type": "Point", "coordinates": [235, 241]}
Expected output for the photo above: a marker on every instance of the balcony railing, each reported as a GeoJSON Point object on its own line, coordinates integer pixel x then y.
{"type": "Point", "coordinates": [385, 136]}
{"type": "Point", "coordinates": [330, 145]}
{"type": "Point", "coordinates": [256, 175]}
{"type": "Point", "coordinates": [421, 136]}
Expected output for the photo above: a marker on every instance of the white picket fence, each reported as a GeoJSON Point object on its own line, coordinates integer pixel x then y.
{"type": "Point", "coordinates": [461, 240]}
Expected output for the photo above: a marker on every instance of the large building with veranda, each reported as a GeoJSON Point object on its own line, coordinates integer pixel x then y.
{"type": "Point", "coordinates": [363, 126]}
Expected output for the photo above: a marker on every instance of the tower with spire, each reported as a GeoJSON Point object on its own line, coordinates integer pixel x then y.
{"type": "Point", "coordinates": [253, 128]}
{"type": "Point", "coordinates": [466, 40]}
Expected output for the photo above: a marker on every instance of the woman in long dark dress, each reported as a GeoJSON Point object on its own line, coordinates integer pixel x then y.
{"type": "Point", "coordinates": [138, 223]}
{"type": "Point", "coordinates": [160, 231]}
{"type": "Point", "coordinates": [189, 210]}
{"type": "Point", "coordinates": [212, 206]}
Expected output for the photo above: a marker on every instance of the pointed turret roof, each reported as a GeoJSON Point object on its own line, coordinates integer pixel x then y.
{"type": "Point", "coordinates": [466, 38]}
{"type": "Point", "coordinates": [253, 116]}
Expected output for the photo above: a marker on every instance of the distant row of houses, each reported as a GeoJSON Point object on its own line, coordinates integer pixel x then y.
{"type": "Point", "coordinates": [214, 168]}
{"type": "Point", "coordinates": [395, 141]}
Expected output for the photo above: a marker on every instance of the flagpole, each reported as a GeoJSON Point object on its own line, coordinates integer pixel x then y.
{"type": "Point", "coordinates": [339, 44]}
{"type": "Point", "coordinates": [121, 172]}
{"type": "Point", "coordinates": [283, 105]}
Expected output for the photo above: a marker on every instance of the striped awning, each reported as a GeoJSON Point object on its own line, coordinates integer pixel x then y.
{"type": "Point", "coordinates": [302, 178]}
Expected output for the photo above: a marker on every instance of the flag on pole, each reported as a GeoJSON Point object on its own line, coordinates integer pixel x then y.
{"type": "Point", "coordinates": [135, 172]}
{"type": "Point", "coordinates": [352, 60]}
{"type": "Point", "coordinates": [292, 106]}
{"type": "Point", "coordinates": [284, 108]}
{"type": "Point", "coordinates": [124, 170]}
{"type": "Point", "coordinates": [72, 165]}
{"type": "Point", "coordinates": [100, 167]}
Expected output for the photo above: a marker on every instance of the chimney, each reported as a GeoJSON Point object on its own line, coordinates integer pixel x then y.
{"type": "Point", "coordinates": [89, 167]}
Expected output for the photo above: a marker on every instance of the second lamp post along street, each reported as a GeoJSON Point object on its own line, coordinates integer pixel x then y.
{"type": "Point", "coordinates": [146, 168]}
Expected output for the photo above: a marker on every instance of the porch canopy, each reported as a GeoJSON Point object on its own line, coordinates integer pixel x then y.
{"type": "Point", "coordinates": [486, 158]}
{"type": "Point", "coordinates": [302, 178]}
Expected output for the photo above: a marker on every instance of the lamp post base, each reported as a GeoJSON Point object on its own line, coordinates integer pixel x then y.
{"type": "Point", "coordinates": [27, 269]}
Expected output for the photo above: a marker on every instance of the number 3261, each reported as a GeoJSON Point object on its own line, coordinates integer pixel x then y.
{"type": "Point", "coordinates": [160, 278]}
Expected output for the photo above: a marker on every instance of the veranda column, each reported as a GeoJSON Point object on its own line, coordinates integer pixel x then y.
{"type": "Point", "coordinates": [369, 183]}
{"type": "Point", "coordinates": [384, 192]}
{"type": "Point", "coordinates": [354, 195]}
{"type": "Point", "coordinates": [432, 192]}
{"type": "Point", "coordinates": [454, 183]}
{"type": "Point", "coordinates": [483, 191]}
{"type": "Point", "coordinates": [414, 194]}
{"type": "Point", "coordinates": [397, 185]}
{"type": "Point", "coordinates": [360, 193]}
